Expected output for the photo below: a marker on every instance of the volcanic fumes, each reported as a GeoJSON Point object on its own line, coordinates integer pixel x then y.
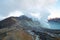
{"type": "Point", "coordinates": [38, 10]}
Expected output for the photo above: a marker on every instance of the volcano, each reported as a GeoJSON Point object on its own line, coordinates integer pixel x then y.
{"type": "Point", "coordinates": [24, 28]}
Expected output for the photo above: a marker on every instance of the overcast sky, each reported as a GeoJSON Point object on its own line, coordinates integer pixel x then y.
{"type": "Point", "coordinates": [55, 10]}
{"type": "Point", "coordinates": [16, 7]}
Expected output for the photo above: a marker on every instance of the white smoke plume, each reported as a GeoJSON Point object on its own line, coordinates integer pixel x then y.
{"type": "Point", "coordinates": [36, 9]}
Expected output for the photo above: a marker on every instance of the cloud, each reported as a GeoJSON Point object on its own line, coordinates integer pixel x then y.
{"type": "Point", "coordinates": [15, 14]}
{"type": "Point", "coordinates": [8, 6]}
{"type": "Point", "coordinates": [31, 8]}
{"type": "Point", "coordinates": [55, 13]}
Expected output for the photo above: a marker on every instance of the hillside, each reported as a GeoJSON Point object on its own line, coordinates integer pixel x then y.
{"type": "Point", "coordinates": [24, 28]}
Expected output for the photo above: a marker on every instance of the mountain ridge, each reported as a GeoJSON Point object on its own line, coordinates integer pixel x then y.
{"type": "Point", "coordinates": [26, 23]}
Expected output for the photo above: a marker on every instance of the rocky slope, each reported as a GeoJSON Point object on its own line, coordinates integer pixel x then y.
{"type": "Point", "coordinates": [24, 28]}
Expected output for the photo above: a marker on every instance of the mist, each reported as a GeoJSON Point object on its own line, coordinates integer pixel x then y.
{"type": "Point", "coordinates": [38, 10]}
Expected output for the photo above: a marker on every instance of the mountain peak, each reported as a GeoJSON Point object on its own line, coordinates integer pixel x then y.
{"type": "Point", "coordinates": [23, 17]}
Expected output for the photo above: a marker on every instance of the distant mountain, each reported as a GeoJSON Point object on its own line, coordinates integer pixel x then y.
{"type": "Point", "coordinates": [8, 22]}
{"type": "Point", "coordinates": [55, 19]}
{"type": "Point", "coordinates": [22, 21]}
